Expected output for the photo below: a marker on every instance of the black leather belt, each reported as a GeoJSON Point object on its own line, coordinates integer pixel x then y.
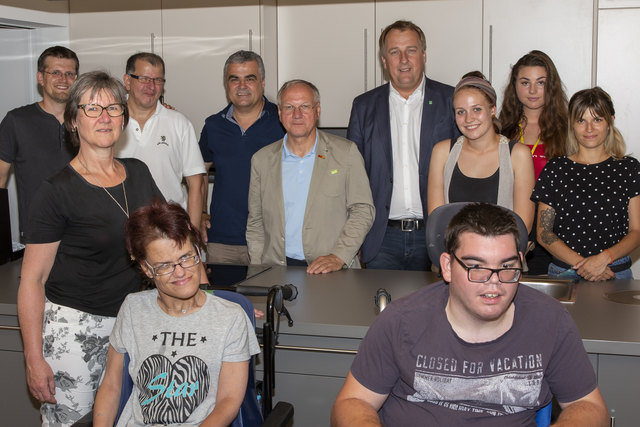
{"type": "Point", "coordinates": [410, 224]}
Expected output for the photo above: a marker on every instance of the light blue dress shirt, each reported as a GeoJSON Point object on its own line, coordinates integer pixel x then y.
{"type": "Point", "coordinates": [296, 178]}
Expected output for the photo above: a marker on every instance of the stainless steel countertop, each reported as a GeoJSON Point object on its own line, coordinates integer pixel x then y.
{"type": "Point", "coordinates": [341, 304]}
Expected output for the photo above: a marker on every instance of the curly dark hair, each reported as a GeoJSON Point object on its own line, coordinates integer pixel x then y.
{"type": "Point", "coordinates": [553, 119]}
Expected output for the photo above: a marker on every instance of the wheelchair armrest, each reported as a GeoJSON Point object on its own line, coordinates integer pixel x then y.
{"type": "Point", "coordinates": [280, 416]}
{"type": "Point", "coordinates": [86, 421]}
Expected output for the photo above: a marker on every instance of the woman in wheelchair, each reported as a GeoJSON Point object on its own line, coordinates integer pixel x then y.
{"type": "Point", "coordinates": [188, 350]}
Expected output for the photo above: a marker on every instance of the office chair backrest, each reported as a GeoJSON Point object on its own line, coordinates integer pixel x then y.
{"type": "Point", "coordinates": [438, 221]}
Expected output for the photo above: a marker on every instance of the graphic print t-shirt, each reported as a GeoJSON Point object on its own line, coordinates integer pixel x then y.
{"type": "Point", "coordinates": [175, 361]}
{"type": "Point", "coordinates": [435, 378]}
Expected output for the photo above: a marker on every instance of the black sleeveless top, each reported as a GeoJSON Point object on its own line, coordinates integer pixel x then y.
{"type": "Point", "coordinates": [466, 189]}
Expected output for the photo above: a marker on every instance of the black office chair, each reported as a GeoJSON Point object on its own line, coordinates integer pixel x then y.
{"type": "Point", "coordinates": [438, 222]}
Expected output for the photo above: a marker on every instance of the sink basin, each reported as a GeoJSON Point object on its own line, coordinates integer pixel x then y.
{"type": "Point", "coordinates": [562, 290]}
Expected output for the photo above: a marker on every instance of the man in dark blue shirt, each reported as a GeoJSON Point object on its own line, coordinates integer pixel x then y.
{"type": "Point", "coordinates": [228, 141]}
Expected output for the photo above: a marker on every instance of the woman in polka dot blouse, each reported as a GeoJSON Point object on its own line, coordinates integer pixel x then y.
{"type": "Point", "coordinates": [588, 200]}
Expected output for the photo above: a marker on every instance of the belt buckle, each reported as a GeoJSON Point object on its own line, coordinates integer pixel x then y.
{"type": "Point", "coordinates": [411, 224]}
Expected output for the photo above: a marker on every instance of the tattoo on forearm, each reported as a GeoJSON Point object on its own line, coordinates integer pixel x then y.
{"type": "Point", "coordinates": [547, 218]}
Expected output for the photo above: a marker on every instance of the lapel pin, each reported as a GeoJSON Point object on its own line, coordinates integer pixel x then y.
{"type": "Point", "coordinates": [333, 172]}
{"type": "Point", "coordinates": [321, 156]}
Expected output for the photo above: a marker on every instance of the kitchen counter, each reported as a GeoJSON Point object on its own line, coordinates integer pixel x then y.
{"type": "Point", "coordinates": [9, 281]}
{"type": "Point", "coordinates": [342, 304]}
{"type": "Point", "coordinates": [333, 312]}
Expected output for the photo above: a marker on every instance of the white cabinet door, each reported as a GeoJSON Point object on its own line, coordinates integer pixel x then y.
{"type": "Point", "coordinates": [619, 67]}
{"type": "Point", "coordinates": [198, 37]}
{"type": "Point", "coordinates": [561, 29]}
{"type": "Point", "coordinates": [617, 71]}
{"type": "Point", "coordinates": [332, 45]}
{"type": "Point", "coordinates": [18, 87]}
{"type": "Point", "coordinates": [105, 34]}
{"type": "Point", "coordinates": [453, 29]}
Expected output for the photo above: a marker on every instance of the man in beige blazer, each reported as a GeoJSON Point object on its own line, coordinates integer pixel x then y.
{"type": "Point", "coordinates": [320, 213]}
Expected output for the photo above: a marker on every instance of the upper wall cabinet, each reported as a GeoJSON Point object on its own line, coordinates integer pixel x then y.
{"type": "Point", "coordinates": [619, 67]}
{"type": "Point", "coordinates": [194, 37]}
{"type": "Point", "coordinates": [197, 40]}
{"type": "Point", "coordinates": [332, 45]}
{"type": "Point", "coordinates": [561, 29]}
{"type": "Point", "coordinates": [453, 29]}
{"type": "Point", "coordinates": [105, 34]}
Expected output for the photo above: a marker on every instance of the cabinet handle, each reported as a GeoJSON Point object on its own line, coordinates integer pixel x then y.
{"type": "Point", "coordinates": [366, 52]}
{"type": "Point", "coordinates": [490, 53]}
{"type": "Point", "coordinates": [250, 40]}
{"type": "Point", "coordinates": [9, 328]}
{"type": "Point", "coordinates": [316, 349]}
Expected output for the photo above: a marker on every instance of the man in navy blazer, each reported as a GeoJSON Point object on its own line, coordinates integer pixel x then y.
{"type": "Point", "coordinates": [395, 127]}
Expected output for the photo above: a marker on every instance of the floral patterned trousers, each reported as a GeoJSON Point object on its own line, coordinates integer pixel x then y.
{"type": "Point", "coordinates": [75, 345]}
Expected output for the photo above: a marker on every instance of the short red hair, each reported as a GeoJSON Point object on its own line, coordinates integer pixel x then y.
{"type": "Point", "coordinates": [159, 220]}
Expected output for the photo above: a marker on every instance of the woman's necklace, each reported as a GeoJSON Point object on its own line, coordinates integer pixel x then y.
{"type": "Point", "coordinates": [125, 210]}
{"type": "Point", "coordinates": [181, 310]}
{"type": "Point", "coordinates": [522, 139]}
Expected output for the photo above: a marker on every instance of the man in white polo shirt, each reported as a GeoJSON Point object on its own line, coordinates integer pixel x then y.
{"type": "Point", "coordinates": [162, 138]}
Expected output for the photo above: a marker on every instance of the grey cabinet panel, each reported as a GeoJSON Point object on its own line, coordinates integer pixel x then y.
{"type": "Point", "coordinates": [312, 397]}
{"type": "Point", "coordinates": [17, 406]}
{"type": "Point", "coordinates": [619, 382]}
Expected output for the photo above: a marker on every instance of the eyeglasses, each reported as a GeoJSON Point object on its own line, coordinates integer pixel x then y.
{"type": "Point", "coordinates": [304, 108]}
{"type": "Point", "coordinates": [95, 110]}
{"type": "Point", "coordinates": [483, 274]}
{"type": "Point", "coordinates": [168, 268]}
{"type": "Point", "coordinates": [59, 74]}
{"type": "Point", "coordinates": [159, 81]}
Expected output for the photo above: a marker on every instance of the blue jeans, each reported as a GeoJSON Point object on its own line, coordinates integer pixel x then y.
{"type": "Point", "coordinates": [402, 250]}
{"type": "Point", "coordinates": [569, 273]}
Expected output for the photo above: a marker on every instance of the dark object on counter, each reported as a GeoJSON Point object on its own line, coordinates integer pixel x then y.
{"type": "Point", "coordinates": [6, 248]}
{"type": "Point", "coordinates": [382, 299]}
{"type": "Point", "coordinates": [223, 276]}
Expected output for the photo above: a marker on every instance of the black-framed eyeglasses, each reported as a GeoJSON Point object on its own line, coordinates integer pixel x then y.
{"type": "Point", "coordinates": [187, 261]}
{"type": "Point", "coordinates": [159, 81]}
{"type": "Point", "coordinates": [483, 274]}
{"type": "Point", "coordinates": [59, 74]}
{"type": "Point", "coordinates": [95, 110]}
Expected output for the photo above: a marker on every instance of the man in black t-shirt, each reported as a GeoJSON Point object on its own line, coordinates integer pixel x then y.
{"type": "Point", "coordinates": [477, 349]}
{"type": "Point", "coordinates": [33, 137]}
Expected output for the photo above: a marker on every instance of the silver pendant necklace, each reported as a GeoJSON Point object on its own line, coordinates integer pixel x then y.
{"type": "Point", "coordinates": [124, 210]}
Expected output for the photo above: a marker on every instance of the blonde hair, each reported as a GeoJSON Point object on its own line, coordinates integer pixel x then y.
{"type": "Point", "coordinates": [599, 103]}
